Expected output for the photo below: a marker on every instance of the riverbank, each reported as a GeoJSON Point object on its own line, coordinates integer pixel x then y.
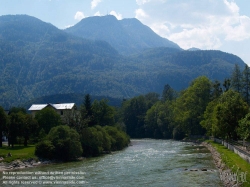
{"type": "Point", "coordinates": [18, 164]}
{"type": "Point", "coordinates": [227, 176]}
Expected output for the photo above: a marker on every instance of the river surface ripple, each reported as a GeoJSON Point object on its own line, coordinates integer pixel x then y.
{"type": "Point", "coordinates": [148, 162]}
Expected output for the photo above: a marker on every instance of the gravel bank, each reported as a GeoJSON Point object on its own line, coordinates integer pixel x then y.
{"type": "Point", "coordinates": [226, 175]}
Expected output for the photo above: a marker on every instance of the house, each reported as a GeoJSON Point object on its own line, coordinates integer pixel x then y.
{"type": "Point", "coordinates": [63, 109]}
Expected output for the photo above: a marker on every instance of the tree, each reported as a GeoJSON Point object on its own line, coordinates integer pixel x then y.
{"type": "Point", "coordinates": [226, 84]}
{"type": "Point", "coordinates": [29, 128]}
{"type": "Point", "coordinates": [74, 120]}
{"type": "Point", "coordinates": [158, 121]}
{"type": "Point", "coordinates": [86, 111]}
{"type": "Point", "coordinates": [103, 113]}
{"type": "Point", "coordinates": [3, 123]}
{"type": "Point", "coordinates": [209, 120]}
{"type": "Point", "coordinates": [88, 105]}
{"type": "Point", "coordinates": [243, 131]}
{"type": "Point", "coordinates": [216, 90]}
{"type": "Point", "coordinates": [151, 98]}
{"type": "Point", "coordinates": [95, 141]}
{"type": "Point", "coordinates": [246, 84]}
{"type": "Point", "coordinates": [119, 139]}
{"type": "Point", "coordinates": [62, 143]}
{"type": "Point", "coordinates": [236, 78]}
{"type": "Point", "coordinates": [229, 109]}
{"type": "Point", "coordinates": [15, 122]}
{"type": "Point", "coordinates": [190, 106]}
{"type": "Point", "coordinates": [48, 118]}
{"type": "Point", "coordinates": [134, 111]}
{"type": "Point", "coordinates": [17, 109]}
{"type": "Point", "coordinates": [168, 93]}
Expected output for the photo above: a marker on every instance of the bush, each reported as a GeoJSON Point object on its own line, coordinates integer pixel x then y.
{"type": "Point", "coordinates": [95, 141]}
{"type": "Point", "coordinates": [62, 143]}
{"type": "Point", "coordinates": [119, 139]}
{"type": "Point", "coordinates": [45, 149]}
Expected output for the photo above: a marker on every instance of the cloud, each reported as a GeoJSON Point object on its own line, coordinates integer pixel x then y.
{"type": "Point", "coordinates": [141, 2]}
{"type": "Point", "coordinates": [140, 14]}
{"type": "Point", "coordinates": [205, 24]}
{"type": "Point", "coordinates": [94, 3]}
{"type": "Point", "coordinates": [68, 26]}
{"type": "Point", "coordinates": [117, 15]}
{"type": "Point", "coordinates": [97, 14]}
{"type": "Point", "coordinates": [79, 15]}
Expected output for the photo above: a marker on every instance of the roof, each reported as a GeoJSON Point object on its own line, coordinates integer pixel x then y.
{"type": "Point", "coordinates": [64, 106]}
{"type": "Point", "coordinates": [61, 106]}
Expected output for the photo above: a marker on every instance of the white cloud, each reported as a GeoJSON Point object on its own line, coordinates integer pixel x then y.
{"type": "Point", "coordinates": [117, 15]}
{"type": "Point", "coordinates": [68, 26]}
{"type": "Point", "coordinates": [98, 14]}
{"type": "Point", "coordinates": [141, 2]}
{"type": "Point", "coordinates": [94, 3]}
{"type": "Point", "coordinates": [232, 6]}
{"type": "Point", "coordinates": [206, 24]}
{"type": "Point", "coordinates": [79, 15]}
{"type": "Point", "coordinates": [140, 14]}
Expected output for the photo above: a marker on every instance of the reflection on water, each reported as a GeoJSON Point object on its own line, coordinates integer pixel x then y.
{"type": "Point", "coordinates": [146, 163]}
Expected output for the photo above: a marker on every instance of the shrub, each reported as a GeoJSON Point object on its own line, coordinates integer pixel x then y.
{"type": "Point", "coordinates": [62, 143]}
{"type": "Point", "coordinates": [119, 139]}
{"type": "Point", "coordinates": [45, 149]}
{"type": "Point", "coordinates": [92, 141]}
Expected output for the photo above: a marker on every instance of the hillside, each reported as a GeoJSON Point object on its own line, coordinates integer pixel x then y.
{"type": "Point", "coordinates": [127, 36]}
{"type": "Point", "coordinates": [37, 59]}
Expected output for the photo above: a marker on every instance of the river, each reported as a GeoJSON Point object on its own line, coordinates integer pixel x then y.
{"type": "Point", "coordinates": [146, 162]}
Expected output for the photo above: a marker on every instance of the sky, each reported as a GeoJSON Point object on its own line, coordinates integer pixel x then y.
{"type": "Point", "coordinates": [205, 24]}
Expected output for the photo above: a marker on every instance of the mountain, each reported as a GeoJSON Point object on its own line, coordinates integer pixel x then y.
{"type": "Point", "coordinates": [193, 49]}
{"type": "Point", "coordinates": [38, 59]}
{"type": "Point", "coordinates": [127, 36]}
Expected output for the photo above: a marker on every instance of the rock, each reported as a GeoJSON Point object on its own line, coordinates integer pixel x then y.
{"type": "Point", "coordinates": [203, 169]}
{"type": "Point", "coordinates": [193, 169]}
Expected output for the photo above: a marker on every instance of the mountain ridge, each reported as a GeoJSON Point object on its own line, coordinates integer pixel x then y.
{"type": "Point", "coordinates": [49, 62]}
{"type": "Point", "coordinates": [127, 36]}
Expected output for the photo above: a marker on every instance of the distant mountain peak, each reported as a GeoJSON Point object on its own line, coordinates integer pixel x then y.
{"type": "Point", "coordinates": [127, 35]}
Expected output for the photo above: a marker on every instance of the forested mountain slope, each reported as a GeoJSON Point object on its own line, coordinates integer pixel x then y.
{"type": "Point", "coordinates": [37, 59]}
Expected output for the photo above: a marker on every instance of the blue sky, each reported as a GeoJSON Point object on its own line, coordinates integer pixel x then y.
{"type": "Point", "coordinates": [205, 24]}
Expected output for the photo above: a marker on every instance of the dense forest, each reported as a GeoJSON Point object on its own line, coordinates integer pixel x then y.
{"type": "Point", "coordinates": [214, 108]}
{"type": "Point", "coordinates": [37, 59]}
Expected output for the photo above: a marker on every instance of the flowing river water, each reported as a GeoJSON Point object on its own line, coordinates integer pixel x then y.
{"type": "Point", "coordinates": [146, 162]}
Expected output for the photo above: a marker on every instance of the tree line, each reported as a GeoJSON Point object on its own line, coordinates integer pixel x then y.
{"type": "Point", "coordinates": [206, 107]}
{"type": "Point", "coordinates": [90, 130]}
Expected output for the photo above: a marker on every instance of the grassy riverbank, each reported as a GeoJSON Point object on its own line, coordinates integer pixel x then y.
{"type": "Point", "coordinates": [17, 152]}
{"type": "Point", "coordinates": [234, 162]}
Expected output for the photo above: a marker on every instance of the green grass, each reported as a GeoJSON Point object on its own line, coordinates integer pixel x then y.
{"type": "Point", "coordinates": [233, 161]}
{"type": "Point", "coordinates": [17, 152]}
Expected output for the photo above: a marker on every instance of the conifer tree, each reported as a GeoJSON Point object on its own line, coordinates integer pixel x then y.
{"type": "Point", "coordinates": [246, 84]}
{"type": "Point", "coordinates": [236, 79]}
